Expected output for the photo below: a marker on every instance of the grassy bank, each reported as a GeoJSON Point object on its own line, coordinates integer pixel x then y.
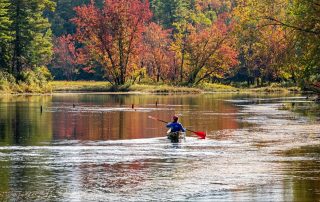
{"type": "Point", "coordinates": [270, 89]}
{"type": "Point", "coordinates": [80, 86]}
{"type": "Point", "coordinates": [25, 88]}
{"type": "Point", "coordinates": [215, 87]}
{"type": "Point", "coordinates": [94, 86]}
{"type": "Point", "coordinates": [7, 86]}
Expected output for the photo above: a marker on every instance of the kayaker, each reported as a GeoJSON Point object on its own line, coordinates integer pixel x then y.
{"type": "Point", "coordinates": [175, 129]}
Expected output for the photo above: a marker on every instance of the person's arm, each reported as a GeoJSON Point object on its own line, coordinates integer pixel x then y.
{"type": "Point", "coordinates": [182, 128]}
{"type": "Point", "coordinates": [169, 125]}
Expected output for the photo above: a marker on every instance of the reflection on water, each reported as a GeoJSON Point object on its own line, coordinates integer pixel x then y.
{"type": "Point", "coordinates": [21, 121]}
{"type": "Point", "coordinates": [98, 147]}
{"type": "Point", "coordinates": [105, 117]}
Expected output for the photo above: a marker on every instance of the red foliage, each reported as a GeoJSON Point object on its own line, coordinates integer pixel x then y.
{"type": "Point", "coordinates": [157, 55]}
{"type": "Point", "coordinates": [112, 36]}
{"type": "Point", "coordinates": [67, 57]}
{"type": "Point", "coordinates": [211, 50]}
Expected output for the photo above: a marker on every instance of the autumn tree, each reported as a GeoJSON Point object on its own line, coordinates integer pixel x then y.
{"type": "Point", "coordinates": [265, 48]}
{"type": "Point", "coordinates": [67, 57]}
{"type": "Point", "coordinates": [264, 53]}
{"type": "Point", "coordinates": [111, 36]}
{"type": "Point", "coordinates": [210, 51]}
{"type": "Point", "coordinates": [157, 55]}
{"type": "Point", "coordinates": [195, 27]}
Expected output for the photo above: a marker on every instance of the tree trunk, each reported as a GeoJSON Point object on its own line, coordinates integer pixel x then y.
{"type": "Point", "coordinates": [158, 73]}
{"type": "Point", "coordinates": [181, 67]}
{"type": "Point", "coordinates": [192, 77]}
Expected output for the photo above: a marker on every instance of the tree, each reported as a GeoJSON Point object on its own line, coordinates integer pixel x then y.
{"type": "Point", "coordinates": [5, 34]}
{"type": "Point", "coordinates": [209, 51]}
{"type": "Point", "coordinates": [169, 12]}
{"type": "Point", "coordinates": [60, 18]}
{"type": "Point", "coordinates": [157, 54]}
{"type": "Point", "coordinates": [285, 42]}
{"type": "Point", "coordinates": [32, 44]}
{"type": "Point", "coordinates": [196, 17]}
{"type": "Point", "coordinates": [67, 56]}
{"type": "Point", "coordinates": [266, 49]}
{"type": "Point", "coordinates": [112, 36]}
{"type": "Point", "coordinates": [305, 21]}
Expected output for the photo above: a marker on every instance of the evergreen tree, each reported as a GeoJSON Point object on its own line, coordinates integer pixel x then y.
{"type": "Point", "coordinates": [32, 44]}
{"type": "Point", "coordinates": [5, 34]}
{"type": "Point", "coordinates": [64, 12]}
{"type": "Point", "coordinates": [169, 12]}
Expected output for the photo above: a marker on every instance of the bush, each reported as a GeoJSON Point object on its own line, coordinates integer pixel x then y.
{"type": "Point", "coordinates": [29, 81]}
{"type": "Point", "coordinates": [6, 81]}
{"type": "Point", "coordinates": [39, 76]}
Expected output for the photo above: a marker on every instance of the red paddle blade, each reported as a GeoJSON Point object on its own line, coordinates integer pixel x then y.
{"type": "Point", "coordinates": [202, 135]}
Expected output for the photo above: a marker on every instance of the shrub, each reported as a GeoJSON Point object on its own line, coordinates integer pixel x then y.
{"type": "Point", "coordinates": [29, 81]}
{"type": "Point", "coordinates": [6, 81]}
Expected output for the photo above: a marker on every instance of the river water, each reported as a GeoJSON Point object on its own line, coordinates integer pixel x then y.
{"type": "Point", "coordinates": [98, 147]}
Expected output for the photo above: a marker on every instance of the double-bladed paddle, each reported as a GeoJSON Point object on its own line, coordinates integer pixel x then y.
{"type": "Point", "coordinates": [200, 134]}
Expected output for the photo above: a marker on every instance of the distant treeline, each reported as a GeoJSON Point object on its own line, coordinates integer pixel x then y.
{"type": "Point", "coordinates": [181, 42]}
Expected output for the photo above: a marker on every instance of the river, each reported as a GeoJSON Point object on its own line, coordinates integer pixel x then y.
{"type": "Point", "coordinates": [103, 147]}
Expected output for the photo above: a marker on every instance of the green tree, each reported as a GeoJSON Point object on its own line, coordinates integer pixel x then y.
{"type": "Point", "coordinates": [64, 12]}
{"type": "Point", "coordinates": [169, 12]}
{"type": "Point", "coordinates": [32, 44]}
{"type": "Point", "coordinates": [306, 24]}
{"type": "Point", "coordinates": [5, 34]}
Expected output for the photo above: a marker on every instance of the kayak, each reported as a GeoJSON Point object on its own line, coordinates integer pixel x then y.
{"type": "Point", "coordinates": [200, 134]}
{"type": "Point", "coordinates": [176, 137]}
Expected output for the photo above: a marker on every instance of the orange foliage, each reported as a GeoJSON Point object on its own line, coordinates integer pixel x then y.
{"type": "Point", "coordinates": [112, 35]}
{"type": "Point", "coordinates": [157, 56]}
{"type": "Point", "coordinates": [210, 51]}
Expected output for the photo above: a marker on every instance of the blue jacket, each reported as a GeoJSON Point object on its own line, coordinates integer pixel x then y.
{"type": "Point", "coordinates": [175, 127]}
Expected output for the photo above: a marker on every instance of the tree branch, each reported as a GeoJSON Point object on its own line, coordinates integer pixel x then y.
{"type": "Point", "coordinates": [278, 22]}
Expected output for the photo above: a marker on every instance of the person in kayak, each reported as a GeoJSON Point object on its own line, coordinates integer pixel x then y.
{"type": "Point", "coordinates": [175, 129]}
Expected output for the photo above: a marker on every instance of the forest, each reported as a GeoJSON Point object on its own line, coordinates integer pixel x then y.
{"type": "Point", "coordinates": [175, 42]}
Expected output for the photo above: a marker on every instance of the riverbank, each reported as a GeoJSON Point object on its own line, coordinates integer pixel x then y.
{"type": "Point", "coordinates": [98, 86]}
{"type": "Point", "coordinates": [101, 86]}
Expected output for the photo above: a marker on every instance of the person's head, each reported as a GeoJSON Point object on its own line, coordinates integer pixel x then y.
{"type": "Point", "coordinates": [175, 118]}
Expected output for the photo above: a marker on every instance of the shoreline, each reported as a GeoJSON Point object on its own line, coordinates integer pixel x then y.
{"type": "Point", "coordinates": [242, 91]}
{"type": "Point", "coordinates": [98, 87]}
{"type": "Point", "coordinates": [105, 87]}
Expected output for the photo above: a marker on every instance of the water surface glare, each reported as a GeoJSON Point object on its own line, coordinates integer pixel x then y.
{"type": "Point", "coordinates": [101, 148]}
